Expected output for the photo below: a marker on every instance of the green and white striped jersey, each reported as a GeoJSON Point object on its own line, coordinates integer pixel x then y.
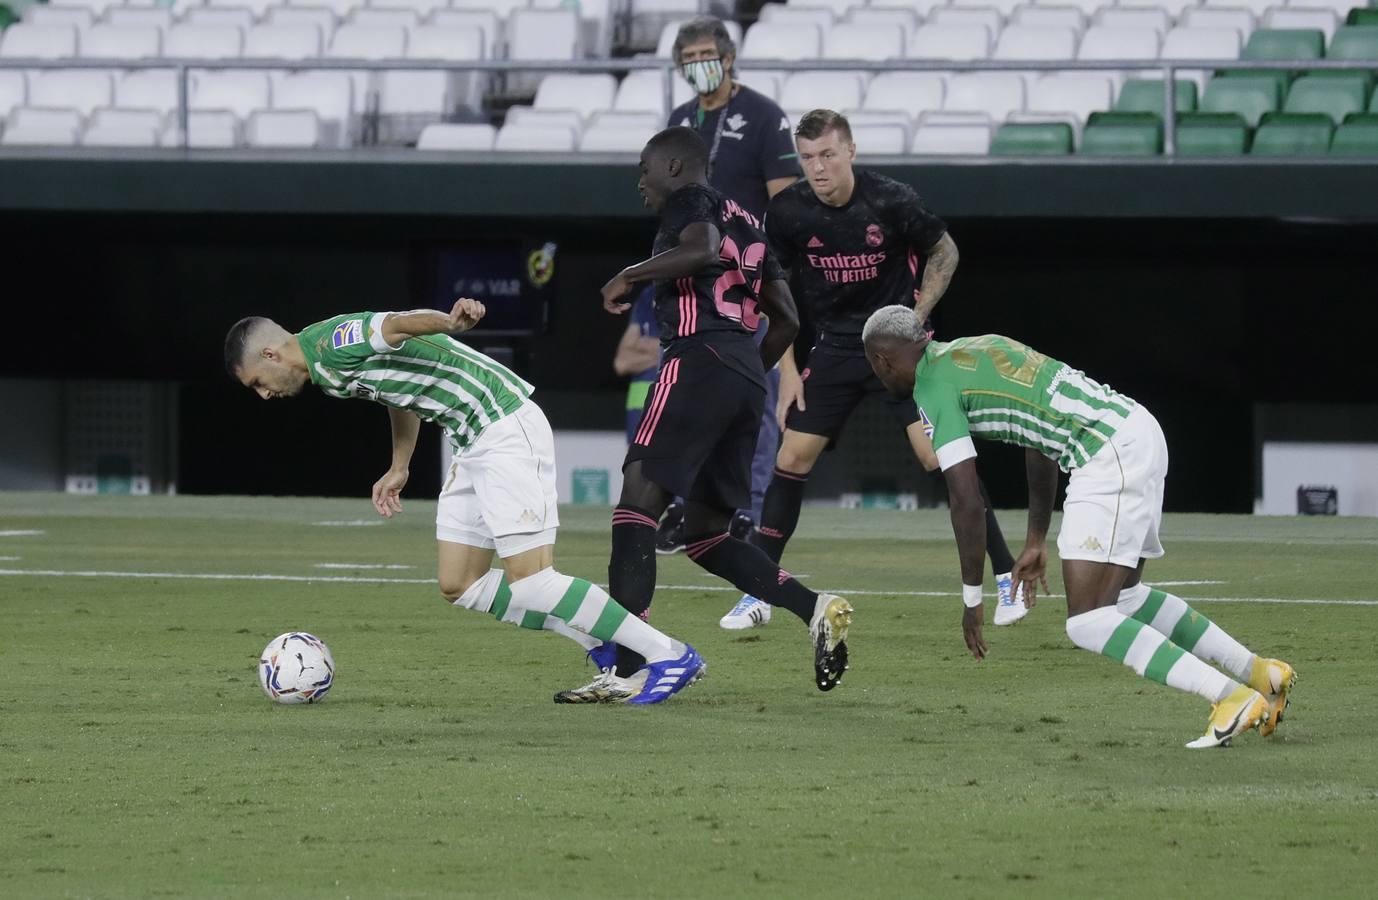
{"type": "Point", "coordinates": [996, 388]}
{"type": "Point", "coordinates": [436, 377]}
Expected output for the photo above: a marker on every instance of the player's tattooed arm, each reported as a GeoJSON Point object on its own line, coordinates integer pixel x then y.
{"type": "Point", "coordinates": [778, 305]}
{"type": "Point", "coordinates": [698, 248]}
{"type": "Point", "coordinates": [387, 491]}
{"type": "Point", "coordinates": [1031, 569]}
{"type": "Point", "coordinates": [465, 314]}
{"type": "Point", "coordinates": [937, 275]}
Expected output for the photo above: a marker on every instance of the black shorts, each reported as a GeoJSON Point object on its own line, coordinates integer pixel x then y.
{"type": "Point", "coordinates": [698, 430]}
{"type": "Point", "coordinates": [836, 380]}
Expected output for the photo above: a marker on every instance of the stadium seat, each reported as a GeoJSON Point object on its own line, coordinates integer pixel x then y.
{"type": "Point", "coordinates": [372, 15]}
{"type": "Point", "coordinates": [1032, 139]}
{"type": "Point", "coordinates": [283, 128]}
{"type": "Point", "coordinates": [1174, 8]}
{"type": "Point", "coordinates": [583, 93]}
{"type": "Point", "coordinates": [257, 7]}
{"type": "Point", "coordinates": [367, 42]}
{"type": "Point", "coordinates": [39, 126]}
{"type": "Point", "coordinates": [14, 90]}
{"type": "Point", "coordinates": [1154, 17]}
{"type": "Point", "coordinates": [1293, 134]}
{"type": "Point", "coordinates": [1004, 7]}
{"type": "Point", "coordinates": [986, 16]}
{"type": "Point", "coordinates": [804, 91]}
{"type": "Point", "coordinates": [997, 94]}
{"type": "Point", "coordinates": [1122, 134]}
{"type": "Point", "coordinates": [1078, 93]}
{"type": "Point", "coordinates": [1055, 16]}
{"type": "Point", "coordinates": [955, 137]}
{"type": "Point", "coordinates": [1211, 134]}
{"type": "Point", "coordinates": [766, 41]}
{"type": "Point", "coordinates": [1146, 95]}
{"type": "Point", "coordinates": [159, 17]}
{"type": "Point", "coordinates": [1036, 42]}
{"type": "Point", "coordinates": [1102, 42]}
{"type": "Point", "coordinates": [319, 16]}
{"type": "Point", "coordinates": [1340, 8]}
{"type": "Point", "coordinates": [82, 90]}
{"type": "Point", "coordinates": [7, 17]}
{"type": "Point", "coordinates": [764, 81]}
{"type": "Point", "coordinates": [122, 42]}
{"type": "Point", "coordinates": [615, 138]}
{"type": "Point", "coordinates": [1200, 43]}
{"type": "Point", "coordinates": [534, 138]}
{"type": "Point", "coordinates": [1307, 19]}
{"type": "Point", "coordinates": [1241, 20]}
{"type": "Point", "coordinates": [275, 41]}
{"type": "Point", "coordinates": [880, 139]}
{"type": "Point", "coordinates": [423, 8]}
{"type": "Point", "coordinates": [912, 93]}
{"type": "Point", "coordinates": [220, 16]}
{"type": "Point", "coordinates": [412, 99]}
{"type": "Point", "coordinates": [920, 8]}
{"type": "Point", "coordinates": [539, 34]}
{"type": "Point", "coordinates": [644, 91]}
{"type": "Point", "coordinates": [1087, 8]}
{"type": "Point", "coordinates": [329, 94]}
{"type": "Point", "coordinates": [955, 42]}
{"type": "Point", "coordinates": [240, 92]}
{"type": "Point", "coordinates": [204, 41]}
{"type": "Point", "coordinates": [879, 118]}
{"type": "Point", "coordinates": [1332, 94]}
{"type": "Point", "coordinates": [206, 129]}
{"type": "Point", "coordinates": [666, 45]}
{"type": "Point", "coordinates": [1349, 42]}
{"type": "Point", "coordinates": [111, 127]}
{"type": "Point", "coordinates": [853, 41]}
{"type": "Point", "coordinates": [503, 9]}
{"type": "Point", "coordinates": [1358, 136]}
{"type": "Point", "coordinates": [97, 7]}
{"type": "Point", "coordinates": [782, 14]}
{"type": "Point", "coordinates": [1256, 7]}
{"type": "Point", "coordinates": [901, 20]}
{"type": "Point", "coordinates": [78, 17]}
{"type": "Point", "coordinates": [545, 118]}
{"type": "Point", "coordinates": [442, 136]}
{"type": "Point", "coordinates": [494, 44]}
{"type": "Point", "coordinates": [1249, 96]}
{"type": "Point", "coordinates": [1285, 43]}
{"type": "Point", "coordinates": [1362, 17]}
{"type": "Point", "coordinates": [154, 89]}
{"type": "Point", "coordinates": [837, 7]}
{"type": "Point", "coordinates": [38, 42]}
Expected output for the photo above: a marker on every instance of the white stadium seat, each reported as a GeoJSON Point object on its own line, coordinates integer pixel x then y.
{"type": "Point", "coordinates": [1078, 93]}
{"type": "Point", "coordinates": [1323, 20]}
{"type": "Point", "coordinates": [763, 81]}
{"type": "Point", "coordinates": [1341, 8]}
{"type": "Point", "coordinates": [920, 8]}
{"type": "Point", "coordinates": [329, 94]}
{"type": "Point", "coordinates": [836, 7]}
{"type": "Point", "coordinates": [1050, 42]}
{"type": "Point", "coordinates": [206, 129]}
{"type": "Point", "coordinates": [585, 94]}
{"type": "Point", "coordinates": [1239, 19]}
{"type": "Point", "coordinates": [1154, 17]}
{"type": "Point", "coordinates": [997, 94]}
{"type": "Point", "coordinates": [367, 42]}
{"type": "Point", "coordinates": [912, 93]}
{"type": "Point", "coordinates": [951, 140]}
{"type": "Point", "coordinates": [540, 138]}
{"type": "Point", "coordinates": [902, 20]}
{"type": "Point", "coordinates": [1063, 16]}
{"type": "Point", "coordinates": [159, 17]}
{"type": "Point", "coordinates": [14, 90]}
{"type": "Point", "coordinates": [340, 8]}
{"type": "Point", "coordinates": [122, 42]}
{"type": "Point", "coordinates": [204, 41]}
{"type": "Point", "coordinates": [422, 7]}
{"type": "Point", "coordinates": [968, 15]}
{"type": "Point", "coordinates": [319, 16]}
{"type": "Point", "coordinates": [154, 89]}
{"type": "Point", "coordinates": [902, 120]}
{"type": "Point", "coordinates": [78, 17]}
{"type": "Point", "coordinates": [503, 9]}
{"type": "Point", "coordinates": [853, 41]}
{"type": "Point", "coordinates": [880, 140]}
{"type": "Point", "coordinates": [1003, 7]}
{"type": "Point", "coordinates": [240, 92]}
{"type": "Point", "coordinates": [257, 7]}
{"type": "Point", "coordinates": [766, 41]}
{"type": "Point", "coordinates": [79, 89]}
{"type": "Point", "coordinates": [665, 46]}
{"type": "Point", "coordinates": [540, 34]}
{"type": "Point", "coordinates": [1174, 7]}
{"type": "Point", "coordinates": [780, 14]}
{"type": "Point", "coordinates": [406, 18]}
{"type": "Point", "coordinates": [97, 7]}
{"type": "Point", "coordinates": [38, 126]}
{"type": "Point", "coordinates": [283, 42]}
{"type": "Point", "coordinates": [224, 16]}
{"type": "Point", "coordinates": [1257, 7]}
{"type": "Point", "coordinates": [457, 137]}
{"type": "Point", "coordinates": [38, 41]}
{"type": "Point", "coordinates": [1104, 42]}
{"type": "Point", "coordinates": [530, 116]}
{"type": "Point", "coordinates": [955, 42]}
{"type": "Point", "coordinates": [483, 20]}
{"type": "Point", "coordinates": [432, 94]}
{"type": "Point", "coordinates": [1088, 8]}
{"type": "Point", "coordinates": [595, 23]}
{"type": "Point", "coordinates": [109, 127]}
{"type": "Point", "coordinates": [804, 91]}
{"type": "Point", "coordinates": [1201, 43]}
{"type": "Point", "coordinates": [282, 128]}
{"type": "Point", "coordinates": [644, 91]}
{"type": "Point", "coordinates": [615, 139]}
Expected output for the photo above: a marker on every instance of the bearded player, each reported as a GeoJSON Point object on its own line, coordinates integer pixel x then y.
{"type": "Point", "coordinates": [852, 241]}
{"type": "Point", "coordinates": [997, 389]}
{"type": "Point", "coordinates": [499, 495]}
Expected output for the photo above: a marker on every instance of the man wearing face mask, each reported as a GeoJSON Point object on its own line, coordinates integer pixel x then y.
{"type": "Point", "coordinates": [751, 158]}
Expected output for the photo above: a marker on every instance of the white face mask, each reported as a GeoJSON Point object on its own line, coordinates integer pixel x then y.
{"type": "Point", "coordinates": [705, 75]}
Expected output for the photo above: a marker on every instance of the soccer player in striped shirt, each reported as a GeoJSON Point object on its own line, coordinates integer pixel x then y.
{"type": "Point", "coordinates": [997, 389]}
{"type": "Point", "coordinates": [500, 492]}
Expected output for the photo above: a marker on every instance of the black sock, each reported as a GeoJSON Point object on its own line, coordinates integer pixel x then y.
{"type": "Point", "coordinates": [1000, 559]}
{"type": "Point", "coordinates": [632, 571]}
{"type": "Point", "coordinates": [780, 512]}
{"type": "Point", "coordinates": [751, 571]}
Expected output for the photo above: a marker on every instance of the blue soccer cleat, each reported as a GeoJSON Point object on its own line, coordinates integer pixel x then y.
{"type": "Point", "coordinates": [666, 678]}
{"type": "Point", "coordinates": [604, 656]}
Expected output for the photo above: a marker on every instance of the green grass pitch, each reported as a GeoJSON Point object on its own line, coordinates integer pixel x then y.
{"type": "Point", "coordinates": [138, 757]}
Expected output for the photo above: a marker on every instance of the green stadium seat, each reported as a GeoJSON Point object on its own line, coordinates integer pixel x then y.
{"type": "Point", "coordinates": [1249, 95]}
{"type": "Point", "coordinates": [1362, 17]}
{"type": "Point", "coordinates": [1354, 42]}
{"type": "Point", "coordinates": [1212, 134]}
{"type": "Point", "coordinates": [1146, 95]}
{"type": "Point", "coordinates": [7, 17]}
{"type": "Point", "coordinates": [1122, 134]}
{"type": "Point", "coordinates": [1281, 44]}
{"type": "Point", "coordinates": [1032, 139]}
{"type": "Point", "coordinates": [1330, 94]}
{"type": "Point", "coordinates": [1293, 134]}
{"type": "Point", "coordinates": [1358, 136]}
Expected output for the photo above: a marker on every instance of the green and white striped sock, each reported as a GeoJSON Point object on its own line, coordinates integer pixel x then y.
{"type": "Point", "coordinates": [1110, 633]}
{"type": "Point", "coordinates": [1186, 628]}
{"type": "Point", "coordinates": [587, 608]}
{"type": "Point", "coordinates": [492, 594]}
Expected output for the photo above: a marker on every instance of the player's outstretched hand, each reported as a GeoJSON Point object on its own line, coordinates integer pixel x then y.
{"type": "Point", "coordinates": [791, 394]}
{"type": "Point", "coordinates": [387, 492]}
{"type": "Point", "coordinates": [466, 314]}
{"type": "Point", "coordinates": [1030, 571]}
{"type": "Point", "coordinates": [615, 294]}
{"type": "Point", "coordinates": [973, 617]}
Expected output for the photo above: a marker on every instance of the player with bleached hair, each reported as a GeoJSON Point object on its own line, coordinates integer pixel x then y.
{"type": "Point", "coordinates": [500, 493]}
{"type": "Point", "coordinates": [998, 389]}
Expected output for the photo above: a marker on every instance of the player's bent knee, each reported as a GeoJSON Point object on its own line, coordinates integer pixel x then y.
{"type": "Point", "coordinates": [453, 588]}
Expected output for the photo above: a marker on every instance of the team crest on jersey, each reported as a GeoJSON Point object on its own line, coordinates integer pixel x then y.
{"type": "Point", "coordinates": [347, 334]}
{"type": "Point", "coordinates": [874, 236]}
{"type": "Point", "coordinates": [364, 391]}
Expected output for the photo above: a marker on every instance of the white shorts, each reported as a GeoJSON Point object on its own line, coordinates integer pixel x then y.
{"type": "Point", "coordinates": [500, 492]}
{"type": "Point", "coordinates": [1114, 504]}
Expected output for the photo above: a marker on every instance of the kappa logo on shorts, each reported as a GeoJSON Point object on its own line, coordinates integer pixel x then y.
{"type": "Point", "coordinates": [527, 517]}
{"type": "Point", "coordinates": [364, 391]}
{"type": "Point", "coordinates": [347, 334]}
{"type": "Point", "coordinates": [1091, 544]}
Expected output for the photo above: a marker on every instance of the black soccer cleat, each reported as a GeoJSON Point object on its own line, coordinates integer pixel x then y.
{"type": "Point", "coordinates": [831, 619]}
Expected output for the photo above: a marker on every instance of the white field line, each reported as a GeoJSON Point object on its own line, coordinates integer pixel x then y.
{"type": "Point", "coordinates": [1181, 583]}
{"type": "Point", "coordinates": [22, 532]}
{"type": "Point", "coordinates": [350, 523]}
{"type": "Point", "coordinates": [703, 588]}
{"type": "Point", "coordinates": [362, 566]}
{"type": "Point", "coordinates": [10, 558]}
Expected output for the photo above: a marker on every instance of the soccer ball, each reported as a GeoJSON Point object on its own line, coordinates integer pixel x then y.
{"type": "Point", "coordinates": [296, 667]}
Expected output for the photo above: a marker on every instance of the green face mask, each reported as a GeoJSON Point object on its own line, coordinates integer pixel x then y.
{"type": "Point", "coordinates": [704, 74]}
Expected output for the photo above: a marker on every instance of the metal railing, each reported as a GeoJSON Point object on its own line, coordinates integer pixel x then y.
{"type": "Point", "coordinates": [1169, 70]}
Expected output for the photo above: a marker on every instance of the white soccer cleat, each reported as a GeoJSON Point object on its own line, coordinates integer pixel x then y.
{"type": "Point", "coordinates": [832, 616]}
{"type": "Point", "coordinates": [748, 613]}
{"type": "Point", "coordinates": [1011, 607]}
{"type": "Point", "coordinates": [606, 688]}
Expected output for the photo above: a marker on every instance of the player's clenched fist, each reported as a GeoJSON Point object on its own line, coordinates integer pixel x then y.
{"type": "Point", "coordinates": [615, 294]}
{"type": "Point", "coordinates": [466, 314]}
